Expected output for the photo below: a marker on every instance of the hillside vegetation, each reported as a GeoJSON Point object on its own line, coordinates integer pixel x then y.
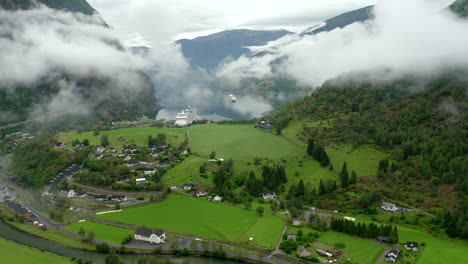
{"type": "Point", "coordinates": [422, 124]}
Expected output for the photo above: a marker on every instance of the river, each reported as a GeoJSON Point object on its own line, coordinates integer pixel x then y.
{"type": "Point", "coordinates": [9, 232]}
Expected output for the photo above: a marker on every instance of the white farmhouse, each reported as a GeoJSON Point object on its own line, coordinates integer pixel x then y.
{"type": "Point", "coordinates": [141, 180]}
{"type": "Point", "coordinates": [217, 198]}
{"type": "Point", "coordinates": [269, 196]}
{"type": "Point", "coordinates": [151, 236]}
{"type": "Point", "coordinates": [71, 193]}
{"type": "Point", "coordinates": [389, 207]}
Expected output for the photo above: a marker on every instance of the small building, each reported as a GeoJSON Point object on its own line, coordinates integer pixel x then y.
{"type": "Point", "coordinates": [117, 198]}
{"type": "Point", "coordinates": [151, 236]}
{"type": "Point", "coordinates": [382, 239]}
{"type": "Point", "coordinates": [292, 238]}
{"type": "Point", "coordinates": [411, 245]}
{"type": "Point", "coordinates": [352, 219]}
{"type": "Point", "coordinates": [59, 145]}
{"type": "Point", "coordinates": [265, 125]}
{"type": "Point", "coordinates": [303, 252]}
{"type": "Point", "coordinates": [100, 149]}
{"type": "Point", "coordinates": [173, 187]}
{"type": "Point", "coordinates": [71, 193]}
{"type": "Point", "coordinates": [133, 163]}
{"type": "Point", "coordinates": [389, 207]}
{"type": "Point", "coordinates": [189, 186]}
{"type": "Point", "coordinates": [100, 197]}
{"type": "Point", "coordinates": [81, 194]}
{"type": "Point", "coordinates": [297, 221]}
{"type": "Point", "coordinates": [200, 193]}
{"type": "Point", "coordinates": [123, 179]}
{"type": "Point", "coordinates": [393, 255]}
{"type": "Point", "coordinates": [324, 253]}
{"type": "Point", "coordinates": [149, 171]}
{"type": "Point", "coordinates": [98, 156]}
{"type": "Point", "coordinates": [217, 198]}
{"type": "Point", "coordinates": [141, 180]}
{"type": "Point", "coordinates": [269, 195]}
{"type": "Point", "coordinates": [112, 150]}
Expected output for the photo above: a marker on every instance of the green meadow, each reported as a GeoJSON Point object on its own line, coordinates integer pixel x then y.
{"type": "Point", "coordinates": [437, 250]}
{"type": "Point", "coordinates": [126, 136]}
{"type": "Point", "coordinates": [364, 160]}
{"type": "Point", "coordinates": [184, 214]}
{"type": "Point", "coordinates": [11, 252]}
{"type": "Point", "coordinates": [362, 251]}
{"type": "Point", "coordinates": [266, 231]}
{"type": "Point", "coordinates": [239, 142]}
{"type": "Point", "coordinates": [103, 232]}
{"type": "Point", "coordinates": [187, 172]}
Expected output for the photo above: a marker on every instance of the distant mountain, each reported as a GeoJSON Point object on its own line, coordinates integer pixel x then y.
{"type": "Point", "coordinates": [341, 21]}
{"type": "Point", "coordinates": [94, 89]}
{"type": "Point", "coordinates": [208, 51]}
{"type": "Point", "coordinates": [77, 6]}
{"type": "Point", "coordinates": [460, 7]}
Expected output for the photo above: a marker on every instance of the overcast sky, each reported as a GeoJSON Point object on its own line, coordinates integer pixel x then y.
{"type": "Point", "coordinates": [160, 20]}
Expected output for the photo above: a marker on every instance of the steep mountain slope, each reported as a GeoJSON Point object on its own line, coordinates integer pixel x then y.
{"type": "Point", "coordinates": [90, 90]}
{"type": "Point", "coordinates": [78, 6]}
{"type": "Point", "coordinates": [341, 21]}
{"type": "Point", "coordinates": [421, 123]}
{"type": "Point", "coordinates": [460, 7]}
{"type": "Point", "coordinates": [208, 51]}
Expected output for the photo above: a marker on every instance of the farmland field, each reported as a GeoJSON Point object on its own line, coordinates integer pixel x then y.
{"type": "Point", "coordinates": [363, 251]}
{"type": "Point", "coordinates": [184, 214]}
{"type": "Point", "coordinates": [102, 231]}
{"type": "Point", "coordinates": [437, 249]}
{"type": "Point", "coordinates": [120, 137]}
{"type": "Point", "coordinates": [239, 142]}
{"type": "Point", "coordinates": [266, 231]}
{"type": "Point", "coordinates": [11, 252]}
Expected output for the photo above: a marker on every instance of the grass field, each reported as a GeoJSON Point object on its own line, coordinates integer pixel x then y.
{"type": "Point", "coordinates": [239, 142]}
{"type": "Point", "coordinates": [308, 170]}
{"type": "Point", "coordinates": [437, 250]}
{"type": "Point", "coordinates": [120, 137]}
{"type": "Point", "coordinates": [11, 252]}
{"type": "Point", "coordinates": [363, 251]}
{"type": "Point", "coordinates": [187, 172]}
{"type": "Point", "coordinates": [266, 231]}
{"type": "Point", "coordinates": [184, 214]}
{"type": "Point", "coordinates": [364, 160]}
{"type": "Point", "coordinates": [103, 232]}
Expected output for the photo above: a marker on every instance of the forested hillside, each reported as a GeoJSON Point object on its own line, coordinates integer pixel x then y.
{"type": "Point", "coordinates": [421, 123]}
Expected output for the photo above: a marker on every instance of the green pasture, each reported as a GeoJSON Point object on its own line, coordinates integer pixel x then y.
{"type": "Point", "coordinates": [364, 160]}
{"type": "Point", "coordinates": [11, 252]}
{"type": "Point", "coordinates": [102, 232]}
{"type": "Point", "coordinates": [239, 142]}
{"type": "Point", "coordinates": [126, 136]}
{"type": "Point", "coordinates": [184, 214]}
{"type": "Point", "coordinates": [437, 250]}
{"type": "Point", "coordinates": [363, 251]}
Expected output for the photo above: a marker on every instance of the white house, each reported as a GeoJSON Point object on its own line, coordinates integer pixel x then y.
{"type": "Point", "coordinates": [71, 194]}
{"type": "Point", "coordinates": [389, 207]}
{"type": "Point", "coordinates": [412, 246]}
{"type": "Point", "coordinates": [149, 171]}
{"type": "Point", "coordinates": [199, 193]}
{"type": "Point", "coordinates": [217, 198]}
{"type": "Point", "coordinates": [394, 254]}
{"type": "Point", "coordinates": [189, 186]}
{"type": "Point", "coordinates": [173, 187]}
{"type": "Point", "coordinates": [151, 236]}
{"type": "Point", "coordinates": [297, 221]}
{"type": "Point", "coordinates": [269, 196]}
{"type": "Point", "coordinates": [100, 149]}
{"type": "Point", "coordinates": [118, 198]}
{"type": "Point", "coordinates": [127, 158]}
{"type": "Point", "coordinates": [141, 180]}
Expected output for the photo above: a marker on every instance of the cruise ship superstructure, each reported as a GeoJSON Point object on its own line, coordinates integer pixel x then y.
{"type": "Point", "coordinates": [185, 117]}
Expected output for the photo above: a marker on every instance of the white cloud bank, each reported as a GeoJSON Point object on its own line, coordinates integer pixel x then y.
{"type": "Point", "coordinates": [412, 37]}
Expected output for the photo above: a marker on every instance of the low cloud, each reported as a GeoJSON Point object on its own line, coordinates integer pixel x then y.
{"type": "Point", "coordinates": [407, 37]}
{"type": "Point", "coordinates": [44, 45]}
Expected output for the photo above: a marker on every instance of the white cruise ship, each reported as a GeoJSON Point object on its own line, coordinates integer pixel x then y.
{"type": "Point", "coordinates": [185, 117]}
